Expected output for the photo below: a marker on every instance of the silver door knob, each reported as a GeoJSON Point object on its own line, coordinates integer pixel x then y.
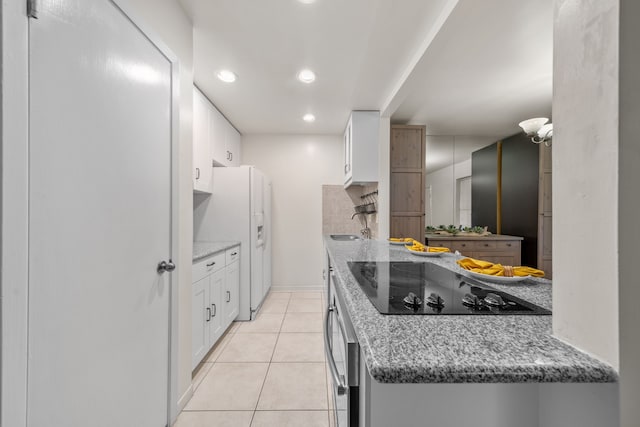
{"type": "Point", "coordinates": [166, 266]}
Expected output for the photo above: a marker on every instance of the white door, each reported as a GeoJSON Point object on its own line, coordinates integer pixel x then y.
{"type": "Point", "coordinates": [100, 219]}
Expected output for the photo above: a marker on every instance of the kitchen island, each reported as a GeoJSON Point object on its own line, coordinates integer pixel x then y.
{"type": "Point", "coordinates": [439, 364]}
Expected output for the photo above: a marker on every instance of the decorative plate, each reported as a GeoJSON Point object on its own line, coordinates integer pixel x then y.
{"type": "Point", "coordinates": [420, 253]}
{"type": "Point", "coordinates": [497, 279]}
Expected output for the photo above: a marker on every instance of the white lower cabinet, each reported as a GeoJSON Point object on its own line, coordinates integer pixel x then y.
{"type": "Point", "coordinates": [216, 316]}
{"type": "Point", "coordinates": [231, 295]}
{"type": "Point", "coordinates": [215, 300]}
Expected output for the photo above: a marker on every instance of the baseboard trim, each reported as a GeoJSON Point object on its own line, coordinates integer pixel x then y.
{"type": "Point", "coordinates": [182, 402]}
{"type": "Point", "coordinates": [278, 288]}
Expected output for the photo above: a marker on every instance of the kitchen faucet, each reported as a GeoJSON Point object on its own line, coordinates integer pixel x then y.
{"type": "Point", "coordinates": [366, 231]}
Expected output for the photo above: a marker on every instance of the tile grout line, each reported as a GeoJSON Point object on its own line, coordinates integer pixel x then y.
{"type": "Point", "coordinates": [253, 415]}
{"type": "Point", "coordinates": [234, 330]}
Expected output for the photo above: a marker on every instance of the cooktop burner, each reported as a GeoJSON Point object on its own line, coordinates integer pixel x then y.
{"type": "Point", "coordinates": [425, 288]}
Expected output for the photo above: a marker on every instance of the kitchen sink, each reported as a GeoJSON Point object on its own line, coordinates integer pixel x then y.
{"type": "Point", "coordinates": [345, 237]}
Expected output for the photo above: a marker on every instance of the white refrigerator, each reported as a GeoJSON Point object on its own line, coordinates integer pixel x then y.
{"type": "Point", "coordinates": [240, 211]}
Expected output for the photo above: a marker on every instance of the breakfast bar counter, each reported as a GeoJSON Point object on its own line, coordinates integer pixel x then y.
{"type": "Point", "coordinates": [457, 349]}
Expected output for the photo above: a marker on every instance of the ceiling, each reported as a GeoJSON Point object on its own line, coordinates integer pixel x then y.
{"type": "Point", "coordinates": [462, 67]}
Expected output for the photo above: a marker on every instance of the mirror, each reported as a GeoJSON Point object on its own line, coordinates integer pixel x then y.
{"type": "Point", "coordinates": [448, 178]}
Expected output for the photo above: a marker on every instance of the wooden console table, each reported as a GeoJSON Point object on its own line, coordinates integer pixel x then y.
{"type": "Point", "coordinates": [497, 248]}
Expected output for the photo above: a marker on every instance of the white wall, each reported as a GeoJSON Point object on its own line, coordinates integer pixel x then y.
{"type": "Point", "coordinates": [585, 175]}
{"type": "Point", "coordinates": [384, 170]}
{"type": "Point", "coordinates": [169, 21]}
{"type": "Point", "coordinates": [444, 193]}
{"type": "Point", "coordinates": [298, 166]}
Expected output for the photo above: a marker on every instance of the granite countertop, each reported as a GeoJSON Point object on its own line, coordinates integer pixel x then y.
{"type": "Point", "coordinates": [204, 249]}
{"type": "Point", "coordinates": [457, 349]}
{"type": "Point", "coordinates": [433, 236]}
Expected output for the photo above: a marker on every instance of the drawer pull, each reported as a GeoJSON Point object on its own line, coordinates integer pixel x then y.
{"type": "Point", "coordinates": [212, 264]}
{"type": "Point", "coordinates": [464, 245]}
{"type": "Point", "coordinates": [486, 245]}
{"type": "Point", "coordinates": [234, 253]}
{"type": "Point", "coordinates": [509, 244]}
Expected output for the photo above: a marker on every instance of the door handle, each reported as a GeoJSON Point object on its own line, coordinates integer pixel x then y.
{"type": "Point", "coordinates": [212, 264]}
{"type": "Point", "coordinates": [166, 266]}
{"type": "Point", "coordinates": [228, 296]}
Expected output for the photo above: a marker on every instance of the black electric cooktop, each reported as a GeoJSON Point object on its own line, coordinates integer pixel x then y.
{"type": "Point", "coordinates": [428, 289]}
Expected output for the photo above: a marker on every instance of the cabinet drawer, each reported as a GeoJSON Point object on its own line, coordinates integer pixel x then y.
{"type": "Point", "coordinates": [440, 243]}
{"type": "Point", "coordinates": [232, 254]}
{"type": "Point", "coordinates": [462, 247]}
{"type": "Point", "coordinates": [483, 246]}
{"type": "Point", "coordinates": [207, 266]}
{"type": "Point", "coordinates": [508, 245]}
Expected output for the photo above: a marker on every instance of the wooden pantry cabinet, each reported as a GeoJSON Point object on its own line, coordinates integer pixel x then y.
{"type": "Point", "coordinates": [497, 248]}
{"type": "Point", "coordinates": [407, 187]}
{"type": "Point", "coordinates": [215, 299]}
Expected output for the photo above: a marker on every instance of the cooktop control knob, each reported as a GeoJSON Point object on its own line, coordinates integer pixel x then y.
{"type": "Point", "coordinates": [435, 300]}
{"type": "Point", "coordinates": [471, 300]}
{"type": "Point", "coordinates": [412, 300]}
{"type": "Point", "coordinates": [494, 300]}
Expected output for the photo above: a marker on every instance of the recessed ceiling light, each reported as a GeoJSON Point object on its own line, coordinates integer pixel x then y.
{"type": "Point", "coordinates": [306, 76]}
{"type": "Point", "coordinates": [309, 118]}
{"type": "Point", "coordinates": [307, 1]}
{"type": "Point", "coordinates": [226, 76]}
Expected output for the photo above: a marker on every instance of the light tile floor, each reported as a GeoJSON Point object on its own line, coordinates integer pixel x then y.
{"type": "Point", "coordinates": [267, 373]}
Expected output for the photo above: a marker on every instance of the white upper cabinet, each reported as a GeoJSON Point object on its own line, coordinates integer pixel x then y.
{"type": "Point", "coordinates": [225, 141]}
{"type": "Point", "coordinates": [233, 146]}
{"type": "Point", "coordinates": [218, 136]}
{"type": "Point", "coordinates": [361, 148]}
{"type": "Point", "coordinates": [202, 166]}
{"type": "Point", "coordinates": [214, 140]}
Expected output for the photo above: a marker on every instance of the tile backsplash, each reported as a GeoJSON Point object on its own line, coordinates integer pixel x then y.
{"type": "Point", "coordinates": [338, 207]}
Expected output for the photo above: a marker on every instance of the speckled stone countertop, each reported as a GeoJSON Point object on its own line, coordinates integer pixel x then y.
{"type": "Point", "coordinates": [457, 349]}
{"type": "Point", "coordinates": [204, 249]}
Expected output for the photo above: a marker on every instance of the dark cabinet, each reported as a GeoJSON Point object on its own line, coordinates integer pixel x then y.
{"type": "Point", "coordinates": [504, 191]}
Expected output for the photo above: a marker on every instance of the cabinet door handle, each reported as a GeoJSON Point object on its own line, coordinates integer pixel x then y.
{"type": "Point", "coordinates": [234, 253]}
{"type": "Point", "coordinates": [230, 156]}
{"type": "Point", "coordinates": [509, 244]}
{"type": "Point", "coordinates": [208, 314]}
{"type": "Point", "coordinates": [212, 264]}
{"type": "Point", "coordinates": [215, 310]}
{"type": "Point", "coordinates": [345, 168]}
{"type": "Point", "coordinates": [486, 245]}
{"type": "Point", "coordinates": [197, 173]}
{"type": "Point", "coordinates": [228, 296]}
